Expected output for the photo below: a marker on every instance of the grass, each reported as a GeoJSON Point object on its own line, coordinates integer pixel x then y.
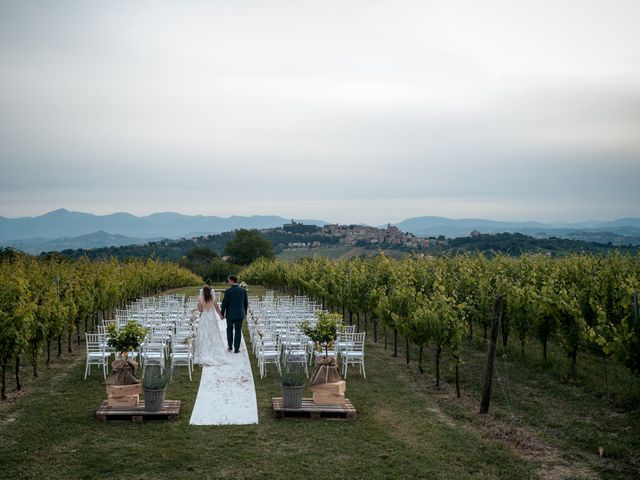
{"type": "Point", "coordinates": [405, 429]}
{"type": "Point", "coordinates": [544, 412]}
{"type": "Point", "coordinates": [218, 287]}
{"type": "Point", "coordinates": [52, 434]}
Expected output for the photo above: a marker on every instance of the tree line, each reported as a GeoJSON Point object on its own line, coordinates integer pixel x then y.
{"type": "Point", "coordinates": [45, 299]}
{"type": "Point", "coordinates": [582, 302]}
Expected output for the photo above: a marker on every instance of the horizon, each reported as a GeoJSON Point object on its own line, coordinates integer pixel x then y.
{"type": "Point", "coordinates": [330, 221]}
{"type": "Point", "coordinates": [356, 112]}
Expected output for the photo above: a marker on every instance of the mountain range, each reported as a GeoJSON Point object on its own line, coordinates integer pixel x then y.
{"type": "Point", "coordinates": [622, 231]}
{"type": "Point", "coordinates": [62, 229]}
{"type": "Point", "coordinates": [63, 223]}
{"type": "Point", "coordinates": [93, 240]}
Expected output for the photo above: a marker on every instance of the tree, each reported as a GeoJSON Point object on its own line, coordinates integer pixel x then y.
{"type": "Point", "coordinates": [198, 260]}
{"type": "Point", "coordinates": [207, 263]}
{"type": "Point", "coordinates": [247, 246]}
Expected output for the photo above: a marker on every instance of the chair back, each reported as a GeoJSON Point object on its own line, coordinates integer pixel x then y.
{"type": "Point", "coordinates": [94, 342]}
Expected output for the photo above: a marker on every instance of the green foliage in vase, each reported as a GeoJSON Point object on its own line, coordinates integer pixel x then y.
{"type": "Point", "coordinates": [325, 331]}
{"type": "Point", "coordinates": [126, 339]}
{"type": "Point", "coordinates": [293, 374]}
{"type": "Point", "coordinates": [155, 379]}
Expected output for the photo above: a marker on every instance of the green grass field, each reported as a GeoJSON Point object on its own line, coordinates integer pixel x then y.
{"type": "Point", "coordinates": [406, 428]}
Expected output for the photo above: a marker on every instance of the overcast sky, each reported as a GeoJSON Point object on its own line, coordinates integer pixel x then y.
{"type": "Point", "coordinates": [349, 111]}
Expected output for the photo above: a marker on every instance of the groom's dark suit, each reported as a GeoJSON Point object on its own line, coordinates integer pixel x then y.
{"type": "Point", "coordinates": [234, 307]}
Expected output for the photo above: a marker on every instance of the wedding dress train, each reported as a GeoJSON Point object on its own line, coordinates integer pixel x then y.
{"type": "Point", "coordinates": [209, 349]}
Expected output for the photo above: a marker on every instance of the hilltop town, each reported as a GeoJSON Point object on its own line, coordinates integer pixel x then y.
{"type": "Point", "coordinates": [352, 235]}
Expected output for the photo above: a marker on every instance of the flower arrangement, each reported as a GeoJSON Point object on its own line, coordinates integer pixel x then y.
{"type": "Point", "coordinates": [325, 331]}
{"type": "Point", "coordinates": [125, 339]}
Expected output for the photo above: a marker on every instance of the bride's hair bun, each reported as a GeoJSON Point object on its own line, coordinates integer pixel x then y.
{"type": "Point", "coordinates": [206, 293]}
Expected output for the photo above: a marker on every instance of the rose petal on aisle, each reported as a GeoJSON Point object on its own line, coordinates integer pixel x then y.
{"type": "Point", "coordinates": [227, 394]}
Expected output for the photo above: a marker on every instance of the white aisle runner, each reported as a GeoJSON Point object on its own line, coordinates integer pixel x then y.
{"type": "Point", "coordinates": [227, 395]}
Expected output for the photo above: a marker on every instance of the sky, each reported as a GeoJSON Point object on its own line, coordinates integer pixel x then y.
{"type": "Point", "coordinates": [346, 111]}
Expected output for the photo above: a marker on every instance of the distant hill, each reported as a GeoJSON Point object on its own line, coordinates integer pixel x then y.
{"type": "Point", "coordinates": [64, 230]}
{"type": "Point", "coordinates": [175, 249]}
{"type": "Point", "coordinates": [93, 240]}
{"type": "Point", "coordinates": [503, 243]}
{"type": "Point", "coordinates": [515, 244]}
{"type": "Point", "coordinates": [63, 223]}
{"type": "Point", "coordinates": [624, 231]}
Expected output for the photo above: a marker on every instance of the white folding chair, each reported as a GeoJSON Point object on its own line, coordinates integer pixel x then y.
{"type": "Point", "coordinates": [153, 354]}
{"type": "Point", "coordinates": [343, 342]}
{"type": "Point", "coordinates": [294, 350]}
{"type": "Point", "coordinates": [354, 352]}
{"type": "Point", "coordinates": [182, 354]}
{"type": "Point", "coordinates": [268, 352]}
{"type": "Point", "coordinates": [102, 331]}
{"type": "Point", "coordinates": [96, 354]}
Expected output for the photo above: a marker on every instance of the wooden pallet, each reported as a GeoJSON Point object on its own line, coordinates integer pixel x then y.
{"type": "Point", "coordinates": [310, 410]}
{"type": "Point", "coordinates": [170, 411]}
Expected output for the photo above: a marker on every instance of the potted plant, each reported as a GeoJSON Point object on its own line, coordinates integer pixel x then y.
{"type": "Point", "coordinates": [127, 338]}
{"type": "Point", "coordinates": [293, 377]}
{"type": "Point", "coordinates": [154, 385]}
{"type": "Point", "coordinates": [123, 341]}
{"type": "Point", "coordinates": [323, 334]}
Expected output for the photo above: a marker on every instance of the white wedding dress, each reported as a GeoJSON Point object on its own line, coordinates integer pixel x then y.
{"type": "Point", "coordinates": [209, 349]}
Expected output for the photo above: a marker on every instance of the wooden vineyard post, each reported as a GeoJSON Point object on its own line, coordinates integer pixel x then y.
{"type": "Point", "coordinates": [491, 355]}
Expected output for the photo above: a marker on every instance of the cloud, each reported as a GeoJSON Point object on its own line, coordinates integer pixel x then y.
{"type": "Point", "coordinates": [352, 111]}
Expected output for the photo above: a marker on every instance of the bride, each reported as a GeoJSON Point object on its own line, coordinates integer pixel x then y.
{"type": "Point", "coordinates": [209, 348]}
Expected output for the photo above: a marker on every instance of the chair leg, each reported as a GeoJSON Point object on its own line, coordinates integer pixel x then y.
{"type": "Point", "coordinates": [86, 369]}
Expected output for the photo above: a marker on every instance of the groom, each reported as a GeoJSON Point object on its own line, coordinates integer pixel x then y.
{"type": "Point", "coordinates": [234, 308]}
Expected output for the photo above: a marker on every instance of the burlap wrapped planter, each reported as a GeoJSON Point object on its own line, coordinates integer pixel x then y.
{"type": "Point", "coordinates": [292, 396]}
{"type": "Point", "coordinates": [154, 400]}
{"type": "Point", "coordinates": [326, 371]}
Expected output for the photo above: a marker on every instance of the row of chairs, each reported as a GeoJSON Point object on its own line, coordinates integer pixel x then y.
{"type": "Point", "coordinates": [276, 336]}
{"type": "Point", "coordinates": [150, 353]}
{"type": "Point", "coordinates": [348, 350]}
{"type": "Point", "coordinates": [170, 338]}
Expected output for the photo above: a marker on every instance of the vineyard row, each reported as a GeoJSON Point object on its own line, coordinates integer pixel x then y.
{"type": "Point", "coordinates": [582, 302]}
{"type": "Point", "coordinates": [44, 299]}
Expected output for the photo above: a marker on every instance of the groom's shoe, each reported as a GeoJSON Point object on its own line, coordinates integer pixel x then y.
{"type": "Point", "coordinates": [230, 349]}
{"type": "Point", "coordinates": [237, 351]}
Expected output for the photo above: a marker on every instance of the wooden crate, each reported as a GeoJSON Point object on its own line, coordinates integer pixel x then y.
{"type": "Point", "coordinates": [328, 398]}
{"type": "Point", "coordinates": [334, 388]}
{"type": "Point", "coordinates": [309, 409]}
{"type": "Point", "coordinates": [170, 411]}
{"type": "Point", "coordinates": [124, 390]}
{"type": "Point", "coordinates": [125, 401]}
